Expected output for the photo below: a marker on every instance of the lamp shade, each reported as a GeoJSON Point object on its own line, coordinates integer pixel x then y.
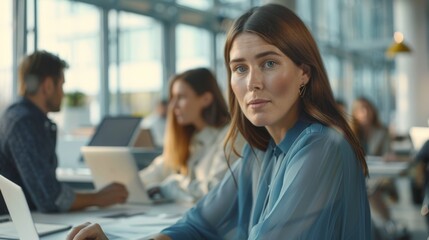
{"type": "Point", "coordinates": [398, 46]}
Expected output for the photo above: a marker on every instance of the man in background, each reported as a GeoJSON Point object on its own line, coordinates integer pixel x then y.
{"type": "Point", "coordinates": [28, 141]}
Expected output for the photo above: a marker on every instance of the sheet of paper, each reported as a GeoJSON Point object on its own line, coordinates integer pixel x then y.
{"type": "Point", "coordinates": [8, 231]}
{"type": "Point", "coordinates": [138, 226]}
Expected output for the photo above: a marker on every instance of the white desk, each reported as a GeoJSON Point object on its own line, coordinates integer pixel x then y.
{"type": "Point", "coordinates": [377, 167]}
{"type": "Point", "coordinates": [169, 212]}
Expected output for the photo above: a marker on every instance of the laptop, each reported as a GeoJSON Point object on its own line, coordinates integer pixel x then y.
{"type": "Point", "coordinates": [419, 135]}
{"type": "Point", "coordinates": [116, 131]}
{"type": "Point", "coordinates": [116, 164]}
{"type": "Point", "coordinates": [22, 225]}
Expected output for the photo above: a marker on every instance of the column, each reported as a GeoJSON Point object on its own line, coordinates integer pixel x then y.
{"type": "Point", "coordinates": [412, 75]}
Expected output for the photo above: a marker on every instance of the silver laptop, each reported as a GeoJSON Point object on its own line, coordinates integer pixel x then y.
{"type": "Point", "coordinates": [22, 225]}
{"type": "Point", "coordinates": [115, 164]}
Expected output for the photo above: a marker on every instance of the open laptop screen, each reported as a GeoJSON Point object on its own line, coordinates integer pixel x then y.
{"type": "Point", "coordinates": [118, 131]}
{"type": "Point", "coordinates": [22, 225]}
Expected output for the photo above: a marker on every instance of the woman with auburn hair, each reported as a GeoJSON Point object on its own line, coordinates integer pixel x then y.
{"type": "Point", "coordinates": [193, 159]}
{"type": "Point", "coordinates": [373, 136]}
{"type": "Point", "coordinates": [375, 139]}
{"type": "Point", "coordinates": [302, 173]}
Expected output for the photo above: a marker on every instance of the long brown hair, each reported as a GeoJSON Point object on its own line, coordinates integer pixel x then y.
{"type": "Point", "coordinates": [279, 26]}
{"type": "Point", "coordinates": [178, 137]}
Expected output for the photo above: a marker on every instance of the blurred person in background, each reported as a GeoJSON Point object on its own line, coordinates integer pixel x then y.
{"type": "Point", "coordinates": [28, 141]}
{"type": "Point", "coordinates": [376, 141]}
{"type": "Point", "coordinates": [193, 159]}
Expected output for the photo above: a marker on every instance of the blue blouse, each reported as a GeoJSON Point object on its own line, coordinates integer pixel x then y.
{"type": "Point", "coordinates": [310, 186]}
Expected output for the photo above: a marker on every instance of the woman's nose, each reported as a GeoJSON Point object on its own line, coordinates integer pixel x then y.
{"type": "Point", "coordinates": [255, 81]}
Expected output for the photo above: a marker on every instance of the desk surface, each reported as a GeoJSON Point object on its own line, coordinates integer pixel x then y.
{"type": "Point", "coordinates": [163, 214]}
{"type": "Point", "coordinates": [377, 167]}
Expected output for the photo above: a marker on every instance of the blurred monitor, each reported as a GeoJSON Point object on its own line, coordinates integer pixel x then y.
{"type": "Point", "coordinates": [115, 131]}
{"type": "Point", "coordinates": [118, 131]}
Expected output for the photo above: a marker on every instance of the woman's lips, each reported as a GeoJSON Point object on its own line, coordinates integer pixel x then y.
{"type": "Point", "coordinates": [257, 103]}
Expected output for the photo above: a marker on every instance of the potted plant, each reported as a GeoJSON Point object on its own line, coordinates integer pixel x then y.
{"type": "Point", "coordinates": [75, 99]}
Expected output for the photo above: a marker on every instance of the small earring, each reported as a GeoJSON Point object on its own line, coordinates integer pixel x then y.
{"type": "Point", "coordinates": [302, 89]}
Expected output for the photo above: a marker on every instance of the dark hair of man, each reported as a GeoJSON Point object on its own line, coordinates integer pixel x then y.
{"type": "Point", "coordinates": [36, 67]}
{"type": "Point", "coordinates": [279, 26]}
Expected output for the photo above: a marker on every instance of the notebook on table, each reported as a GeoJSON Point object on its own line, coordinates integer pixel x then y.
{"type": "Point", "coordinates": [22, 225]}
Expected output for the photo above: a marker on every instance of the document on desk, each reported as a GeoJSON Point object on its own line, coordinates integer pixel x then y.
{"type": "Point", "coordinates": [137, 227]}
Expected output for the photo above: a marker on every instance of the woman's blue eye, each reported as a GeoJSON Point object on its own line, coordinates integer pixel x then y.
{"type": "Point", "coordinates": [240, 69]}
{"type": "Point", "coordinates": [269, 64]}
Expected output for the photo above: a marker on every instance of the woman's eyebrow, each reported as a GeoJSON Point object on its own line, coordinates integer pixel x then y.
{"type": "Point", "coordinates": [267, 53]}
{"type": "Point", "coordinates": [257, 56]}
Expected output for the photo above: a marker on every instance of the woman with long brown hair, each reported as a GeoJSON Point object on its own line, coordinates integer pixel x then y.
{"type": "Point", "coordinates": [376, 141]}
{"type": "Point", "coordinates": [302, 173]}
{"type": "Point", "coordinates": [193, 159]}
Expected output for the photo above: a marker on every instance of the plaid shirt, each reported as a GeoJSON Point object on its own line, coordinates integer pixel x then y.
{"type": "Point", "coordinates": [28, 158]}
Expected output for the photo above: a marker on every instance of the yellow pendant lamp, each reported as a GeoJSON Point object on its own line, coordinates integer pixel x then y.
{"type": "Point", "coordinates": [398, 46]}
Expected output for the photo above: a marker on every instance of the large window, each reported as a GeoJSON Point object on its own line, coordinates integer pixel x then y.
{"type": "Point", "coordinates": [221, 73]}
{"type": "Point", "coordinates": [194, 47]}
{"type": "Point", "coordinates": [135, 70]}
{"type": "Point", "coordinates": [71, 30]}
{"type": "Point", "coordinates": [200, 4]}
{"type": "Point", "coordinates": [6, 49]}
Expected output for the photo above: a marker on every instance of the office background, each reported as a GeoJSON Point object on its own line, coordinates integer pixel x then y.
{"type": "Point", "coordinates": [122, 52]}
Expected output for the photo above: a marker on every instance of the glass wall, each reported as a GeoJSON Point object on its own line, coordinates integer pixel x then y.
{"type": "Point", "coordinates": [135, 70]}
{"type": "Point", "coordinates": [6, 49]}
{"type": "Point", "coordinates": [221, 73]}
{"type": "Point", "coordinates": [72, 30]}
{"type": "Point", "coordinates": [200, 4]}
{"type": "Point", "coordinates": [366, 25]}
{"type": "Point", "coordinates": [194, 47]}
{"type": "Point", "coordinates": [350, 34]}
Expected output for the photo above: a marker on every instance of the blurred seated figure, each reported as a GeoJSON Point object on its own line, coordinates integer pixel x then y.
{"type": "Point", "coordinates": [193, 159]}
{"type": "Point", "coordinates": [375, 139]}
{"type": "Point", "coordinates": [156, 122]}
{"type": "Point", "coordinates": [28, 141]}
{"type": "Point", "coordinates": [422, 158]}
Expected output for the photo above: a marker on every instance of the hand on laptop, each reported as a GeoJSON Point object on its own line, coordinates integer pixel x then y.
{"type": "Point", "coordinates": [111, 194]}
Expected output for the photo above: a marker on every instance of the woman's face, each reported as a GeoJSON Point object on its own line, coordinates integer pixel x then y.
{"type": "Point", "coordinates": [362, 113]}
{"type": "Point", "coordinates": [265, 82]}
{"type": "Point", "coordinates": [187, 105]}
